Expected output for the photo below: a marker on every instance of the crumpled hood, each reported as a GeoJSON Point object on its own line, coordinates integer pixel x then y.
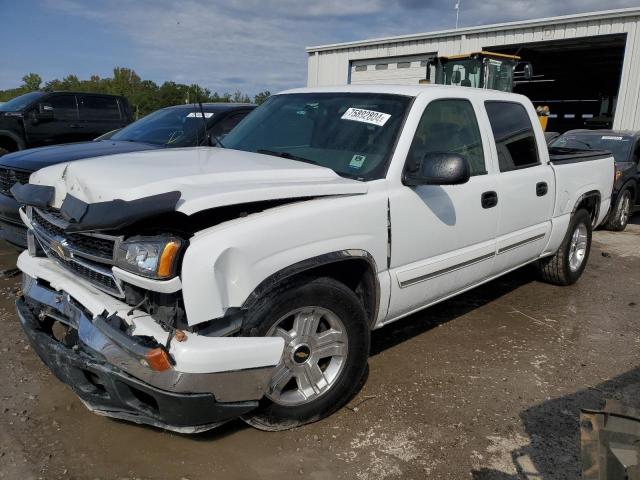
{"type": "Point", "coordinates": [34, 159]}
{"type": "Point", "coordinates": [206, 177]}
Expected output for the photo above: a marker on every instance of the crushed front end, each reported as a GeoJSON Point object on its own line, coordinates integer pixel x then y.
{"type": "Point", "coordinates": [120, 340]}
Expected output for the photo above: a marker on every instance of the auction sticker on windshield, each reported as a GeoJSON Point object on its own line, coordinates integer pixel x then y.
{"type": "Point", "coordinates": [366, 116]}
{"type": "Point", "coordinates": [611, 138]}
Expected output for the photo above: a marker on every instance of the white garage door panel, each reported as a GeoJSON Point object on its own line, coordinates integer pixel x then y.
{"type": "Point", "coordinates": [364, 72]}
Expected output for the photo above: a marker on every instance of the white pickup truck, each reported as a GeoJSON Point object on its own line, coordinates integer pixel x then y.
{"type": "Point", "coordinates": [186, 287]}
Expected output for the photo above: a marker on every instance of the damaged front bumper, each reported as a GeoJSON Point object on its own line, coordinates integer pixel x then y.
{"type": "Point", "coordinates": [213, 379]}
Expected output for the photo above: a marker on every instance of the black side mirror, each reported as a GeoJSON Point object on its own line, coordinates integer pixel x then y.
{"type": "Point", "coordinates": [528, 71]}
{"type": "Point", "coordinates": [438, 168]}
{"type": "Point", "coordinates": [456, 77]}
{"type": "Point", "coordinates": [45, 111]}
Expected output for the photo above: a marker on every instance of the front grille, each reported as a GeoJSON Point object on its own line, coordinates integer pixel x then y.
{"type": "Point", "coordinates": [81, 243]}
{"type": "Point", "coordinates": [104, 279]}
{"type": "Point", "coordinates": [89, 256]}
{"type": "Point", "coordinates": [9, 177]}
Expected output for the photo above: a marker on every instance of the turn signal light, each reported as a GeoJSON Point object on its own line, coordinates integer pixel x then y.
{"type": "Point", "coordinates": [167, 259]}
{"type": "Point", "coordinates": [158, 359]}
{"type": "Point", "coordinates": [617, 175]}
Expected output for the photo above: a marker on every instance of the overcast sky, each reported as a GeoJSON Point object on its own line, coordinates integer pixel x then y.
{"type": "Point", "coordinates": [251, 45]}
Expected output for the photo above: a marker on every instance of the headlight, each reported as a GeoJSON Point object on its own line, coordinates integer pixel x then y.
{"type": "Point", "coordinates": [153, 257]}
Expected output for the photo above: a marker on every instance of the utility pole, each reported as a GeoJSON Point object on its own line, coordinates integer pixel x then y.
{"type": "Point", "coordinates": [457, 7]}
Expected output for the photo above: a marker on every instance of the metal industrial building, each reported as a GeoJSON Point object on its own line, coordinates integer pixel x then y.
{"type": "Point", "coordinates": [586, 66]}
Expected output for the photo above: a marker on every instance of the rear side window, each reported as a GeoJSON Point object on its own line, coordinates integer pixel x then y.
{"type": "Point", "coordinates": [64, 107]}
{"type": "Point", "coordinates": [99, 108]}
{"type": "Point", "coordinates": [227, 124]}
{"type": "Point", "coordinates": [449, 126]}
{"type": "Point", "coordinates": [514, 136]}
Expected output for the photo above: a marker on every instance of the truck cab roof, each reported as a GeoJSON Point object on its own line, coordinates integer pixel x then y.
{"type": "Point", "coordinates": [412, 90]}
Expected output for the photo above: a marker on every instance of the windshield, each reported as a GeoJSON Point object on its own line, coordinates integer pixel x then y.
{"type": "Point", "coordinates": [19, 103]}
{"type": "Point", "coordinates": [618, 145]}
{"type": "Point", "coordinates": [351, 133]}
{"type": "Point", "coordinates": [171, 127]}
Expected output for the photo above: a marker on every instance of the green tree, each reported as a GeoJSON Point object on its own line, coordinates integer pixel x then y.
{"type": "Point", "coordinates": [261, 97]}
{"type": "Point", "coordinates": [125, 82]}
{"type": "Point", "coordinates": [239, 97]}
{"type": "Point", "coordinates": [144, 96]}
{"type": "Point", "coordinates": [31, 82]}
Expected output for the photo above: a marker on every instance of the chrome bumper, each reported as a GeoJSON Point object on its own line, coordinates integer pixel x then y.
{"type": "Point", "coordinates": [125, 352]}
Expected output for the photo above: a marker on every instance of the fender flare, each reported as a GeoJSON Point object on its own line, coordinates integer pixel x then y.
{"type": "Point", "coordinates": [298, 268]}
{"type": "Point", "coordinates": [627, 184]}
{"type": "Point", "coordinates": [584, 196]}
{"type": "Point", "coordinates": [19, 141]}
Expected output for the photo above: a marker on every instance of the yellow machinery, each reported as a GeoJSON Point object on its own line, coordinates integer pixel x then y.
{"type": "Point", "coordinates": [483, 70]}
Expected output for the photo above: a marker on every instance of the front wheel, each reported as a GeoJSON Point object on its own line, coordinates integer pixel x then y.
{"type": "Point", "coordinates": [621, 213]}
{"type": "Point", "coordinates": [326, 348]}
{"type": "Point", "coordinates": [566, 266]}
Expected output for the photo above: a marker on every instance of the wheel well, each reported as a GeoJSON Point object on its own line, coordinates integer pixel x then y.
{"type": "Point", "coordinates": [358, 273]}
{"type": "Point", "coordinates": [591, 203]}
{"type": "Point", "coordinates": [631, 186]}
{"type": "Point", "coordinates": [8, 143]}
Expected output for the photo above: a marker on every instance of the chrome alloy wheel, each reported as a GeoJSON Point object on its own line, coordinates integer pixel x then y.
{"type": "Point", "coordinates": [315, 352]}
{"type": "Point", "coordinates": [578, 247]}
{"type": "Point", "coordinates": [625, 209]}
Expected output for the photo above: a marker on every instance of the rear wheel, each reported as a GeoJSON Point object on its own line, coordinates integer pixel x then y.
{"type": "Point", "coordinates": [566, 266]}
{"type": "Point", "coordinates": [326, 337]}
{"type": "Point", "coordinates": [621, 213]}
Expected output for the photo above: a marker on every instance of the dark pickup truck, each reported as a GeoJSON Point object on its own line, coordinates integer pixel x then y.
{"type": "Point", "coordinates": [625, 147]}
{"type": "Point", "coordinates": [37, 119]}
{"type": "Point", "coordinates": [177, 126]}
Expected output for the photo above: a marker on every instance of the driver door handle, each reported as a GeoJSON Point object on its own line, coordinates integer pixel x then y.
{"type": "Point", "coordinates": [489, 199]}
{"type": "Point", "coordinates": [541, 189]}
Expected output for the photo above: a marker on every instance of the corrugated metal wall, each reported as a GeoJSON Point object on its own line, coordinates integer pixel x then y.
{"type": "Point", "coordinates": [330, 65]}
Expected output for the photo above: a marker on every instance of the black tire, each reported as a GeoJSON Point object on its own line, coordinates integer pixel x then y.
{"type": "Point", "coordinates": [324, 293]}
{"type": "Point", "coordinates": [556, 269]}
{"type": "Point", "coordinates": [620, 215]}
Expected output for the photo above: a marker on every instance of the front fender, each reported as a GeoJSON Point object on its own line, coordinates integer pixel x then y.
{"type": "Point", "coordinates": [13, 136]}
{"type": "Point", "coordinates": [223, 265]}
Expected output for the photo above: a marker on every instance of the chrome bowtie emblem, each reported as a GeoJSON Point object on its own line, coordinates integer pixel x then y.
{"type": "Point", "coordinates": [61, 248]}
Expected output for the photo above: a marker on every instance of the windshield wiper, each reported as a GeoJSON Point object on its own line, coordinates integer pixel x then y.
{"type": "Point", "coordinates": [287, 155]}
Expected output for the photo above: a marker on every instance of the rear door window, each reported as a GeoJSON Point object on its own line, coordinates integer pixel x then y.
{"type": "Point", "coordinates": [449, 126]}
{"type": "Point", "coordinates": [514, 135]}
{"type": "Point", "coordinates": [64, 106]}
{"type": "Point", "coordinates": [227, 124]}
{"type": "Point", "coordinates": [95, 107]}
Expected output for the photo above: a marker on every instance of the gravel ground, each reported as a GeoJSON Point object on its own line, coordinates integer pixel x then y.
{"type": "Point", "coordinates": [485, 386]}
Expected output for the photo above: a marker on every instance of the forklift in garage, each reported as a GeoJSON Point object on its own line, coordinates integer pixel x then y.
{"type": "Point", "coordinates": [496, 71]}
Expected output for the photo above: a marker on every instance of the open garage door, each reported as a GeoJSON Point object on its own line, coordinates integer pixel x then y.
{"type": "Point", "coordinates": [407, 70]}
{"type": "Point", "coordinates": [578, 79]}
